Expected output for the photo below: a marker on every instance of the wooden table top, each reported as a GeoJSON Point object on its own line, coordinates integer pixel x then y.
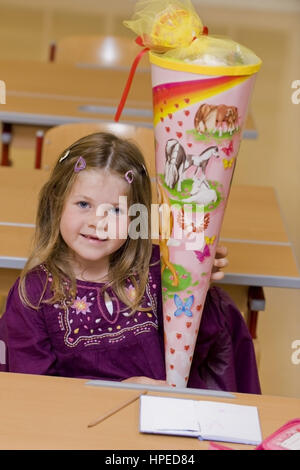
{"type": "Point", "coordinates": [47, 93]}
{"type": "Point", "coordinates": [40, 412]}
{"type": "Point", "coordinates": [259, 250]}
{"type": "Point", "coordinates": [260, 253]}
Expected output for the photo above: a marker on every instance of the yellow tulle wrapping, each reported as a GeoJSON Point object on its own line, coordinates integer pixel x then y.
{"type": "Point", "coordinates": [173, 29]}
{"type": "Point", "coordinates": [214, 51]}
{"type": "Point", "coordinates": [165, 24]}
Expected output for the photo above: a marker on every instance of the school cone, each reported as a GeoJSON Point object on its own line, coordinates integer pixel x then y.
{"type": "Point", "coordinates": [199, 114]}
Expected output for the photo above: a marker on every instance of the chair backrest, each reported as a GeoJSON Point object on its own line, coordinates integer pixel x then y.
{"type": "Point", "coordinates": [61, 137]}
{"type": "Point", "coordinates": [104, 51]}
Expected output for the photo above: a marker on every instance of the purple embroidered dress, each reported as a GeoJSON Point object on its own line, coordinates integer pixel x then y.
{"type": "Point", "coordinates": [96, 338]}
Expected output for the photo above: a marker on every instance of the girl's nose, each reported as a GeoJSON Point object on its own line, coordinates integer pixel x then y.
{"type": "Point", "coordinates": [94, 219]}
{"type": "Point", "coordinates": [102, 228]}
{"type": "Point", "coordinates": [100, 225]}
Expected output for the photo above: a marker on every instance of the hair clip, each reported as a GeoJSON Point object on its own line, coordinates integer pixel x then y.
{"type": "Point", "coordinates": [129, 176]}
{"type": "Point", "coordinates": [80, 165]}
{"type": "Point", "coordinates": [64, 156]}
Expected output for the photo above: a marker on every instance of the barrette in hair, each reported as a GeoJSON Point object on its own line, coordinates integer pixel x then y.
{"type": "Point", "coordinates": [64, 156]}
{"type": "Point", "coordinates": [129, 176]}
{"type": "Point", "coordinates": [80, 165]}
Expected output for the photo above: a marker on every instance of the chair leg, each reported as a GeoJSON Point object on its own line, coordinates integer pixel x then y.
{"type": "Point", "coordinates": [6, 140]}
{"type": "Point", "coordinates": [256, 303]}
{"type": "Point", "coordinates": [52, 50]}
{"type": "Point", "coordinates": [38, 149]}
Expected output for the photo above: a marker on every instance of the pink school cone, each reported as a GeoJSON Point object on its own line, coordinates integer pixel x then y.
{"type": "Point", "coordinates": [198, 122]}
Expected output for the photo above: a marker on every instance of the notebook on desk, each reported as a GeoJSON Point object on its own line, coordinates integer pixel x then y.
{"type": "Point", "coordinates": [207, 420]}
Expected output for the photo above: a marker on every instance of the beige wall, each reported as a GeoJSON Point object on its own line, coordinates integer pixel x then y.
{"type": "Point", "coordinates": [28, 27]}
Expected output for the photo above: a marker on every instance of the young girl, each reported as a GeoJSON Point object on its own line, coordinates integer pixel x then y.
{"type": "Point", "coordinates": [88, 304]}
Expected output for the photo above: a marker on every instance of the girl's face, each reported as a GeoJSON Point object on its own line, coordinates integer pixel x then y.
{"type": "Point", "coordinates": [94, 221]}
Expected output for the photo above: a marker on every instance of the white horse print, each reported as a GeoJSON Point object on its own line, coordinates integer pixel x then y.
{"type": "Point", "coordinates": [178, 161]}
{"type": "Point", "coordinates": [201, 193]}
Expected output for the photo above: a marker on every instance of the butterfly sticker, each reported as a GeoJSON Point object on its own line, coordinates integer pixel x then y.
{"type": "Point", "coordinates": [228, 163]}
{"type": "Point", "coordinates": [210, 240]}
{"type": "Point", "coordinates": [183, 307]}
{"type": "Point", "coordinates": [201, 255]}
{"type": "Point", "coordinates": [228, 150]}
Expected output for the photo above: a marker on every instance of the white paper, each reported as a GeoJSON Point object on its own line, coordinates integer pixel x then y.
{"type": "Point", "coordinates": [204, 419]}
{"type": "Point", "coordinates": [229, 422]}
{"type": "Point", "coordinates": [161, 414]}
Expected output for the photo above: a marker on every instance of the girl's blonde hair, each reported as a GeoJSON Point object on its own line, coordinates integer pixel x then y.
{"type": "Point", "coordinates": [100, 151]}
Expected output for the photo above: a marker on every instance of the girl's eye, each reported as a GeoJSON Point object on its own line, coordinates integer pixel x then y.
{"type": "Point", "coordinates": [116, 210]}
{"type": "Point", "coordinates": [83, 204]}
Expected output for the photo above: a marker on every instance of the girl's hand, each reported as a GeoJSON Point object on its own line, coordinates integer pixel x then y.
{"type": "Point", "coordinates": [146, 381]}
{"type": "Point", "coordinates": [220, 262]}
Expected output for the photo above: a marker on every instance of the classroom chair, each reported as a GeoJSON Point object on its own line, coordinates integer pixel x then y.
{"type": "Point", "coordinates": [93, 51]}
{"type": "Point", "coordinates": [101, 50]}
{"type": "Point", "coordinates": [59, 138]}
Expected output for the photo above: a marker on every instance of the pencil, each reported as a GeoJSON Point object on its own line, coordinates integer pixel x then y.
{"type": "Point", "coordinates": [116, 409]}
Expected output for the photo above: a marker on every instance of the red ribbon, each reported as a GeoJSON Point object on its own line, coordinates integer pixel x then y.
{"type": "Point", "coordinates": [136, 61]}
{"type": "Point", "coordinates": [130, 78]}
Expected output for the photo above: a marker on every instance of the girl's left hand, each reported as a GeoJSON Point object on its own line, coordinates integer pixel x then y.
{"type": "Point", "coordinates": [146, 381]}
{"type": "Point", "coordinates": [220, 262]}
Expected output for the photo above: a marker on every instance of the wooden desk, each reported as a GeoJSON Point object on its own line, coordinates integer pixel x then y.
{"type": "Point", "coordinates": [40, 412]}
{"type": "Point", "coordinates": [259, 250]}
{"type": "Point", "coordinates": [49, 94]}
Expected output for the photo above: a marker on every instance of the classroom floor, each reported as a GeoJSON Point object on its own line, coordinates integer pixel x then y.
{"type": "Point", "coordinates": [272, 30]}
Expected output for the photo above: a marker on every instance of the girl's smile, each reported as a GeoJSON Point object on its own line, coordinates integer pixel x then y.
{"type": "Point", "coordinates": [92, 239]}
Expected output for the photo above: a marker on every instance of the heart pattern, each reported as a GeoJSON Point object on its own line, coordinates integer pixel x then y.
{"type": "Point", "coordinates": [174, 120]}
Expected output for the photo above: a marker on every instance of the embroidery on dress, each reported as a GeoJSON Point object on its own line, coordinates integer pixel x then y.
{"type": "Point", "coordinates": [94, 316]}
{"type": "Point", "coordinates": [83, 324]}
{"type": "Point", "coordinates": [81, 305]}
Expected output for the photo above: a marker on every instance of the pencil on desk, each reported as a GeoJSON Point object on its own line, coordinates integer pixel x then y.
{"type": "Point", "coordinates": [116, 409]}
